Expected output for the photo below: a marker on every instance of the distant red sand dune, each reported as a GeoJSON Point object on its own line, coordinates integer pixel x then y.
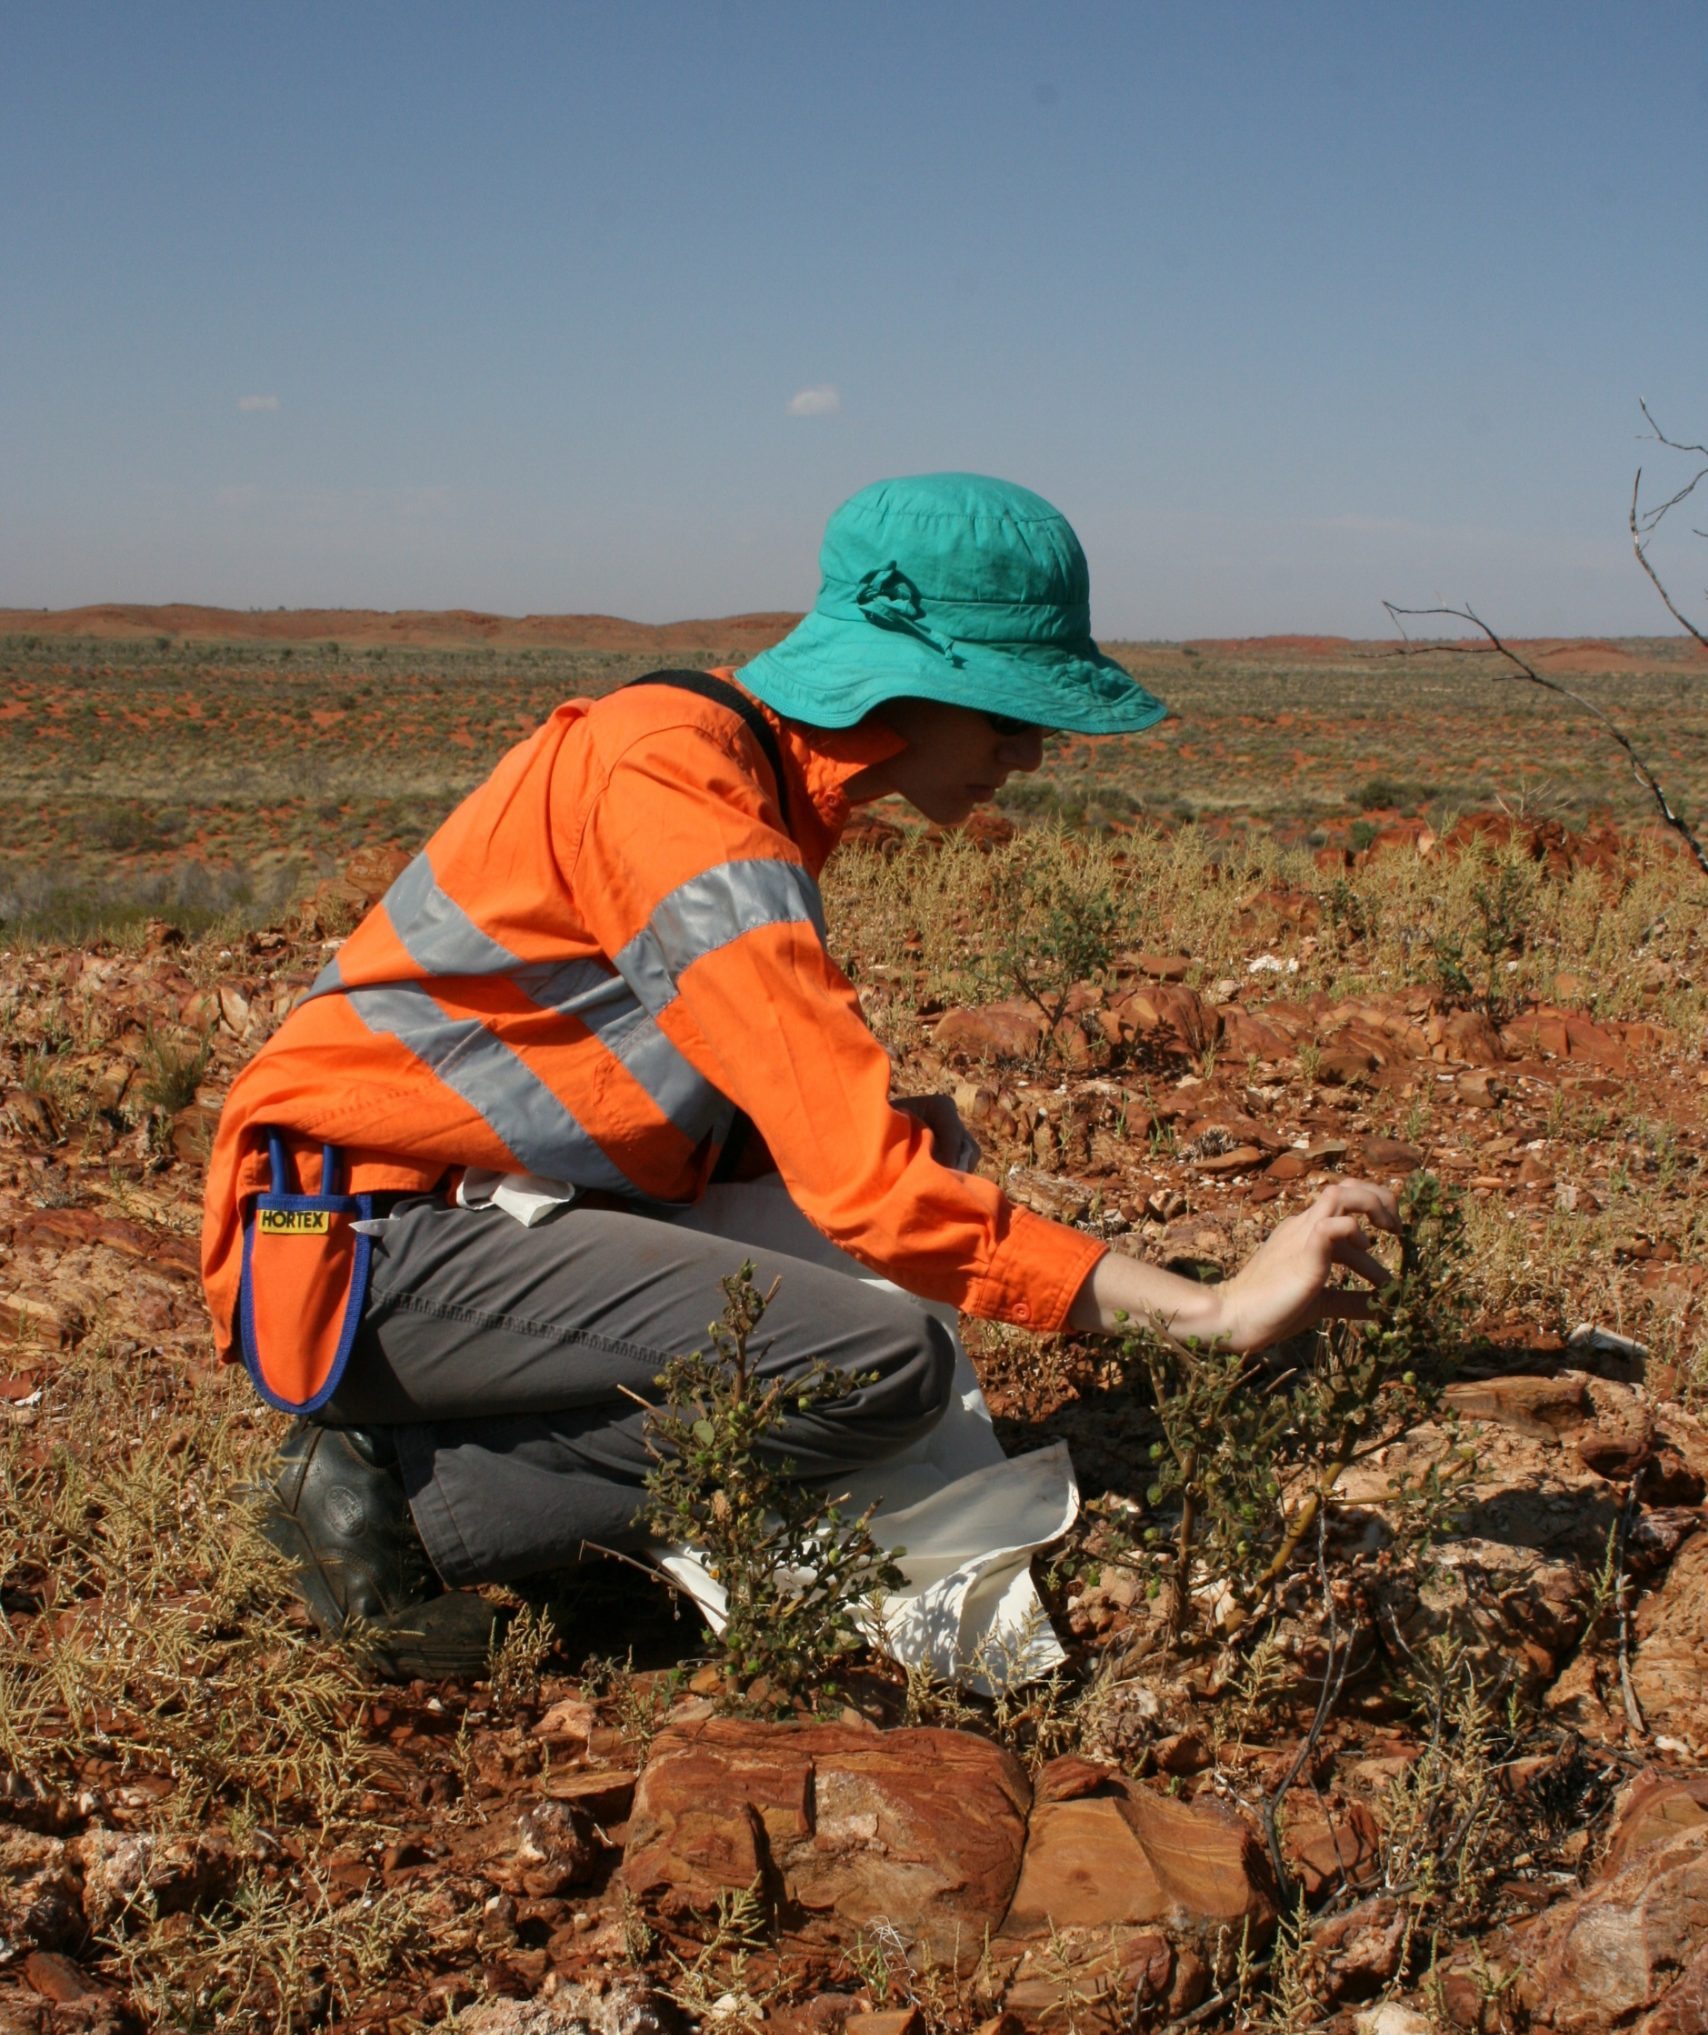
{"type": "Point", "coordinates": [449, 628]}
{"type": "Point", "coordinates": [741, 636]}
{"type": "Point", "coordinates": [1290, 647]}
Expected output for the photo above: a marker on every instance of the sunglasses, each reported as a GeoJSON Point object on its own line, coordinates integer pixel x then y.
{"type": "Point", "coordinates": [1006, 724]}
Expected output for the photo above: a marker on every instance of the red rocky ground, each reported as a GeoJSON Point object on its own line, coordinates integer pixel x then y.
{"type": "Point", "coordinates": [559, 1839]}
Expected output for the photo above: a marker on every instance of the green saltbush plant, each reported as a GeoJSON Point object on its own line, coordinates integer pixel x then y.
{"type": "Point", "coordinates": [797, 1573]}
{"type": "Point", "coordinates": [1247, 1463]}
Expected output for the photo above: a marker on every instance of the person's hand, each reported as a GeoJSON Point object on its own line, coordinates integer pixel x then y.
{"type": "Point", "coordinates": [1284, 1286]}
{"type": "Point", "coordinates": [1281, 1288]}
{"type": "Point", "coordinates": [952, 1144]}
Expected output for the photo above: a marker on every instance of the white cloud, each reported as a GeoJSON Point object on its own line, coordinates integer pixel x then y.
{"type": "Point", "coordinates": [823, 399]}
{"type": "Point", "coordinates": [257, 402]}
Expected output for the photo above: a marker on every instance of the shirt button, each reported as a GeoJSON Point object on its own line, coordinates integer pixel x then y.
{"type": "Point", "coordinates": [1022, 1311]}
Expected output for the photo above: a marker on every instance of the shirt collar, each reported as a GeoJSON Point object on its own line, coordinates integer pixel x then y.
{"type": "Point", "coordinates": [825, 761]}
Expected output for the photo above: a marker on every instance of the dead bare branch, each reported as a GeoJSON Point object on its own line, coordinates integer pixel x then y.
{"type": "Point", "coordinates": [1639, 769]}
{"type": "Point", "coordinates": [1335, 1666]}
{"type": "Point", "coordinates": [1643, 523]}
{"type": "Point", "coordinates": [1671, 444]}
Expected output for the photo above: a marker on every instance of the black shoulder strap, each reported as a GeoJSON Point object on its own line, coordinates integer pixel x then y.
{"type": "Point", "coordinates": [719, 690]}
{"type": "Point", "coordinates": [723, 694]}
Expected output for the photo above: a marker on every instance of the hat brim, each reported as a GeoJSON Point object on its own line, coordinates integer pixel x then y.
{"type": "Point", "coordinates": [831, 673]}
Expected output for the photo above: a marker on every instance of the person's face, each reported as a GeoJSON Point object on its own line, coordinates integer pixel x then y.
{"type": "Point", "coordinates": [956, 757]}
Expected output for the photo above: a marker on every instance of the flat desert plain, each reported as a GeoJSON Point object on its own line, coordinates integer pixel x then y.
{"type": "Point", "coordinates": [1383, 1688]}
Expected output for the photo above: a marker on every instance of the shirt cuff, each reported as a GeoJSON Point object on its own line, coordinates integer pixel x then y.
{"type": "Point", "coordinates": [1034, 1275]}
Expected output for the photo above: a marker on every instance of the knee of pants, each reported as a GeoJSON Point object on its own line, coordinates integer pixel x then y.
{"type": "Point", "coordinates": [915, 1383]}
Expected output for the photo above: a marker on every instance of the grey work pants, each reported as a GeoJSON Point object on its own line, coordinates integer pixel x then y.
{"type": "Point", "coordinates": [497, 1356]}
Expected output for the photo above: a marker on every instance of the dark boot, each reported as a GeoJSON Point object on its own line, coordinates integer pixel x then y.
{"type": "Point", "coordinates": [334, 1504]}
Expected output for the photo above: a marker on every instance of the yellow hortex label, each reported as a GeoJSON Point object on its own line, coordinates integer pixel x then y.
{"type": "Point", "coordinates": [295, 1222]}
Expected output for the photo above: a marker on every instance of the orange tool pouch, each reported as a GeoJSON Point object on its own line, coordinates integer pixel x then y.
{"type": "Point", "coordinates": [305, 1276]}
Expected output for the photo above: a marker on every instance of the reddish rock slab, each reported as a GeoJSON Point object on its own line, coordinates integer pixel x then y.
{"type": "Point", "coordinates": [1345, 1064]}
{"type": "Point", "coordinates": [1247, 1036]}
{"type": "Point", "coordinates": [1655, 1808]}
{"type": "Point", "coordinates": [1621, 1437]}
{"type": "Point", "coordinates": [1634, 1945]}
{"type": "Point", "coordinates": [1143, 1969]}
{"type": "Point", "coordinates": [1322, 1154]}
{"type": "Point", "coordinates": [1240, 1160]}
{"type": "Point", "coordinates": [1387, 1155]}
{"type": "Point", "coordinates": [1325, 1848]}
{"type": "Point", "coordinates": [1566, 1035]}
{"type": "Point", "coordinates": [843, 1829]}
{"type": "Point", "coordinates": [1013, 1030]}
{"type": "Point", "coordinates": [1543, 1408]}
{"type": "Point", "coordinates": [1133, 1858]}
{"type": "Point", "coordinates": [1358, 1951]}
{"type": "Point", "coordinates": [894, 2021]}
{"type": "Point", "coordinates": [1464, 1035]}
{"type": "Point", "coordinates": [158, 1249]}
{"type": "Point", "coordinates": [1671, 1629]}
{"type": "Point", "coordinates": [606, 1796]}
{"type": "Point", "coordinates": [1683, 2009]}
{"type": "Point", "coordinates": [63, 1981]}
{"type": "Point", "coordinates": [1166, 1011]}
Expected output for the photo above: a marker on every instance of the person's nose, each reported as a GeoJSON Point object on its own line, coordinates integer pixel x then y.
{"type": "Point", "coordinates": [1024, 751]}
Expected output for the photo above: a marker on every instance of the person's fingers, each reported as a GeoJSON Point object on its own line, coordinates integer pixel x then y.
{"type": "Point", "coordinates": [1363, 1198]}
{"type": "Point", "coordinates": [1357, 1258]}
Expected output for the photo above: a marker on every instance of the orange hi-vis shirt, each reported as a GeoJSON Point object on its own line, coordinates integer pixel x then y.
{"type": "Point", "coordinates": [607, 950]}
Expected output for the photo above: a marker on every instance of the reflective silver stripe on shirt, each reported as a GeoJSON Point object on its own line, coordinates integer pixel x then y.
{"type": "Point", "coordinates": [707, 912]}
{"type": "Point", "coordinates": [532, 1121]}
{"type": "Point", "coordinates": [327, 983]}
{"type": "Point", "coordinates": [606, 1005]}
{"type": "Point", "coordinates": [435, 931]}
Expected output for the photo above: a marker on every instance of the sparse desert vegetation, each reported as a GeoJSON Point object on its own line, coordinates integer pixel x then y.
{"type": "Point", "coordinates": [1390, 1690]}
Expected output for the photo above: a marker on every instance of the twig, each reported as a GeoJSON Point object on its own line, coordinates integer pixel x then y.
{"type": "Point", "coordinates": [1640, 545]}
{"type": "Point", "coordinates": [1311, 1509]}
{"type": "Point", "coordinates": [1183, 1546]}
{"type": "Point", "coordinates": [1217, 2001]}
{"type": "Point", "coordinates": [1671, 444]}
{"type": "Point", "coordinates": [1333, 1681]}
{"type": "Point", "coordinates": [1633, 1709]}
{"type": "Point", "coordinates": [652, 1574]}
{"type": "Point", "coordinates": [1643, 774]}
{"type": "Point", "coordinates": [1645, 522]}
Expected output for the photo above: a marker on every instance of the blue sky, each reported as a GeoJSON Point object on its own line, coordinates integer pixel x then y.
{"type": "Point", "coordinates": [603, 307]}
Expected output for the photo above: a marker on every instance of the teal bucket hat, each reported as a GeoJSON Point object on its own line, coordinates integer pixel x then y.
{"type": "Point", "coordinates": [955, 587]}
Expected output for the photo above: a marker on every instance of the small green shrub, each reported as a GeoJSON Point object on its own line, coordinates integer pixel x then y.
{"type": "Point", "coordinates": [1248, 1468]}
{"type": "Point", "coordinates": [172, 1069]}
{"type": "Point", "coordinates": [1391, 794]}
{"type": "Point", "coordinates": [796, 1572]}
{"type": "Point", "coordinates": [1055, 915]}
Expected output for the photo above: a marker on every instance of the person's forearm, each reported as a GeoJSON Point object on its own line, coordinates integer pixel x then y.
{"type": "Point", "coordinates": [1125, 1291]}
{"type": "Point", "coordinates": [1290, 1282]}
